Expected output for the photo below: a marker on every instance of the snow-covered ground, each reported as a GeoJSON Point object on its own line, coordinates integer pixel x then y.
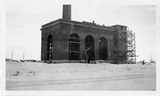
{"type": "Point", "coordinates": [79, 76]}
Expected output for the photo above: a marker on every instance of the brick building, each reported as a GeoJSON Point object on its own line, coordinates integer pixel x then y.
{"type": "Point", "coordinates": [65, 39]}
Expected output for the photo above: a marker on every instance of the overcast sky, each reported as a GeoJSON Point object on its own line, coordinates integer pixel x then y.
{"type": "Point", "coordinates": [25, 17]}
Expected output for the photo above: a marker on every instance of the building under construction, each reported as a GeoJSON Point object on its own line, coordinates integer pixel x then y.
{"type": "Point", "coordinates": [68, 40]}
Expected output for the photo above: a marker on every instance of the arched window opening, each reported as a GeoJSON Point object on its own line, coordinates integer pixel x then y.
{"type": "Point", "coordinates": [103, 49]}
{"type": "Point", "coordinates": [74, 47]}
{"type": "Point", "coordinates": [89, 46]}
{"type": "Point", "coordinates": [50, 48]}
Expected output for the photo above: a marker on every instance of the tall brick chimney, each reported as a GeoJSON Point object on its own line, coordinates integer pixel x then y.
{"type": "Point", "coordinates": [67, 12]}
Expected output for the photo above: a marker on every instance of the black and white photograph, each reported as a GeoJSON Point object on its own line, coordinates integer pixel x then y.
{"type": "Point", "coordinates": [88, 95]}
{"type": "Point", "coordinates": [80, 45]}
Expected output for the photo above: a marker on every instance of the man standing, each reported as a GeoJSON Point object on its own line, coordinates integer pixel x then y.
{"type": "Point", "coordinates": [88, 51]}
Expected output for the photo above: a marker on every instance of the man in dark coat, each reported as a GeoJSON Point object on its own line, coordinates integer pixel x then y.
{"type": "Point", "coordinates": [89, 55]}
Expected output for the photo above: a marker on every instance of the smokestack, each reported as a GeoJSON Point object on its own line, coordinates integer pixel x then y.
{"type": "Point", "coordinates": [67, 12]}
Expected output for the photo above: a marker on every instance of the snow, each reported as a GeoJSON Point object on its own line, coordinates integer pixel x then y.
{"type": "Point", "coordinates": [43, 76]}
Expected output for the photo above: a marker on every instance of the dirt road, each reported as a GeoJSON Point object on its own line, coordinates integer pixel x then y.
{"type": "Point", "coordinates": [123, 82]}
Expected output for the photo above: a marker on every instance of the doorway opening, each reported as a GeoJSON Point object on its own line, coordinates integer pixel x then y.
{"type": "Point", "coordinates": [74, 47]}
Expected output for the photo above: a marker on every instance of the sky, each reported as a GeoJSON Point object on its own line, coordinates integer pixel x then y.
{"type": "Point", "coordinates": [25, 17]}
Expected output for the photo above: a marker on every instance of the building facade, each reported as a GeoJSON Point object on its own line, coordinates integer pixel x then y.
{"type": "Point", "coordinates": [65, 39]}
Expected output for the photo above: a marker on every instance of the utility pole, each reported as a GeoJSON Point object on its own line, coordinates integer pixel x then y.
{"type": "Point", "coordinates": [12, 54]}
{"type": "Point", "coordinates": [23, 56]}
